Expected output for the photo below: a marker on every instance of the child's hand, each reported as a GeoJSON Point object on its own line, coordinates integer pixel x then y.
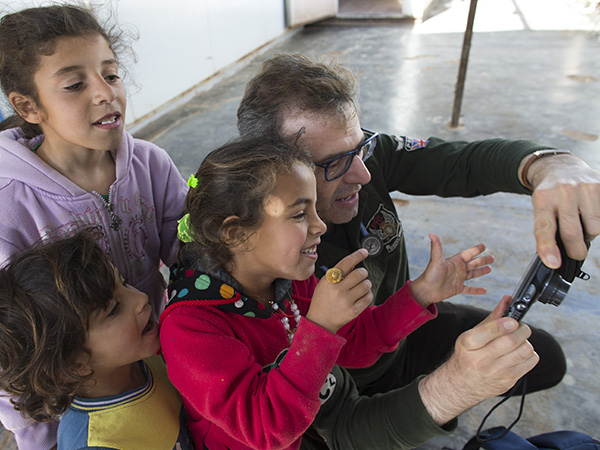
{"type": "Point", "coordinates": [444, 278]}
{"type": "Point", "coordinates": [334, 305]}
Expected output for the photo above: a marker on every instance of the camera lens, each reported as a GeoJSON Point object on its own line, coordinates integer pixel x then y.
{"type": "Point", "coordinates": [555, 290]}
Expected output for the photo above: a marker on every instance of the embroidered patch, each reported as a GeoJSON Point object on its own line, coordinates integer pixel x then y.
{"type": "Point", "coordinates": [328, 388]}
{"type": "Point", "coordinates": [387, 227]}
{"type": "Point", "coordinates": [409, 144]}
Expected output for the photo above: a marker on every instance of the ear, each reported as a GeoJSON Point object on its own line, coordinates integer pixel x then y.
{"type": "Point", "coordinates": [232, 234]}
{"type": "Point", "coordinates": [25, 107]}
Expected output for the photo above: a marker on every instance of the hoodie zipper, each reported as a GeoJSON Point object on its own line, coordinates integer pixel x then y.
{"type": "Point", "coordinates": [115, 220]}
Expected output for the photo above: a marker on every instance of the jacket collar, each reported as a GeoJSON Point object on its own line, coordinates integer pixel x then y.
{"type": "Point", "coordinates": [217, 288]}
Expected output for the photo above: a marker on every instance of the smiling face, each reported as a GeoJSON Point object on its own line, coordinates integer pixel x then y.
{"type": "Point", "coordinates": [285, 244]}
{"type": "Point", "coordinates": [81, 100]}
{"type": "Point", "coordinates": [325, 138]}
{"type": "Point", "coordinates": [124, 332]}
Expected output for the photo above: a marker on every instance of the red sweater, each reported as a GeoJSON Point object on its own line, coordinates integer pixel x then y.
{"type": "Point", "coordinates": [222, 362]}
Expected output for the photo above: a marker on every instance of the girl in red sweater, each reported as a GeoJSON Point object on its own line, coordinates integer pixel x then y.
{"type": "Point", "coordinates": [250, 336]}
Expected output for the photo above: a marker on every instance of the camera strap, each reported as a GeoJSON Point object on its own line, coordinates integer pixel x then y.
{"type": "Point", "coordinates": [508, 395]}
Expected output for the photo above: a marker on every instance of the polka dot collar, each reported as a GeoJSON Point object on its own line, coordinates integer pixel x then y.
{"type": "Point", "coordinates": [208, 289]}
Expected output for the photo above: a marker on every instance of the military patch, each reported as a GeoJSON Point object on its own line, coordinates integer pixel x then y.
{"type": "Point", "coordinates": [387, 227]}
{"type": "Point", "coordinates": [409, 144]}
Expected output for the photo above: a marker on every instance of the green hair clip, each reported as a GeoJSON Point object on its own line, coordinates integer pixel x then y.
{"type": "Point", "coordinates": [193, 182]}
{"type": "Point", "coordinates": [184, 229]}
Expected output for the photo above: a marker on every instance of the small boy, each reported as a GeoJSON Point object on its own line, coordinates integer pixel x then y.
{"type": "Point", "coordinates": [78, 343]}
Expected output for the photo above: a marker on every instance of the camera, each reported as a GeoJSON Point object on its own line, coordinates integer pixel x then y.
{"type": "Point", "coordinates": [545, 285]}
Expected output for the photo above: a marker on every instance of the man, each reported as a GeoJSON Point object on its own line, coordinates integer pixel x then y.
{"type": "Point", "coordinates": [356, 170]}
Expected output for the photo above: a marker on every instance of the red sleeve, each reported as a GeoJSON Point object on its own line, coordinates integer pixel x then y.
{"type": "Point", "coordinates": [379, 329]}
{"type": "Point", "coordinates": [220, 379]}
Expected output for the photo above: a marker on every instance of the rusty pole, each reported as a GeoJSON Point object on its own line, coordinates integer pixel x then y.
{"type": "Point", "coordinates": [462, 71]}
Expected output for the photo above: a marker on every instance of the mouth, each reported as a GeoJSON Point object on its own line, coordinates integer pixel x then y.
{"type": "Point", "coordinates": [310, 251]}
{"type": "Point", "coordinates": [151, 325]}
{"type": "Point", "coordinates": [349, 199]}
{"type": "Point", "coordinates": [109, 119]}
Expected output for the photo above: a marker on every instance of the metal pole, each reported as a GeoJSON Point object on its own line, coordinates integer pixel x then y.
{"type": "Point", "coordinates": [462, 71]}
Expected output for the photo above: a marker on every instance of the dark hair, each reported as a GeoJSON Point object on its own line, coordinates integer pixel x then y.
{"type": "Point", "coordinates": [290, 84]}
{"type": "Point", "coordinates": [235, 180]}
{"type": "Point", "coordinates": [47, 294]}
{"type": "Point", "coordinates": [27, 34]}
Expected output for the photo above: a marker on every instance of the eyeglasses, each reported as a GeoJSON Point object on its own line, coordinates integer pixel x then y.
{"type": "Point", "coordinates": [338, 166]}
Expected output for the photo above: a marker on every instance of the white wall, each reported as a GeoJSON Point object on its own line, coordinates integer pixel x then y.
{"type": "Point", "coordinates": [183, 42]}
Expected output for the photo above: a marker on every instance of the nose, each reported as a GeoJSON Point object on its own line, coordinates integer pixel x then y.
{"type": "Point", "coordinates": [104, 92]}
{"type": "Point", "coordinates": [357, 173]}
{"type": "Point", "coordinates": [139, 298]}
{"type": "Point", "coordinates": [317, 226]}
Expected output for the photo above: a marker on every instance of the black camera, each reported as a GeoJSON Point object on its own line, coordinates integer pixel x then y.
{"type": "Point", "coordinates": [545, 285]}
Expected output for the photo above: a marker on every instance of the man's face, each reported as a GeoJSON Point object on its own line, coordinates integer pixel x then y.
{"type": "Point", "coordinates": [326, 138]}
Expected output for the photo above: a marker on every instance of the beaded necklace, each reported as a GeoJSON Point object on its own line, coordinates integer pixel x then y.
{"type": "Point", "coordinates": [285, 318]}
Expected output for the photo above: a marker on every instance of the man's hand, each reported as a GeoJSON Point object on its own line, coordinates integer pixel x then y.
{"type": "Point", "coordinates": [487, 361]}
{"type": "Point", "coordinates": [566, 194]}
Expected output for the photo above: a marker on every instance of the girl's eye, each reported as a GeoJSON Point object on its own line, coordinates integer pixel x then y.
{"type": "Point", "coordinates": [301, 215]}
{"type": "Point", "coordinates": [112, 79]}
{"type": "Point", "coordinates": [74, 87]}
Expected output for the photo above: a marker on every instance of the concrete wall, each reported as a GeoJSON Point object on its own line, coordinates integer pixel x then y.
{"type": "Point", "coordinates": [182, 43]}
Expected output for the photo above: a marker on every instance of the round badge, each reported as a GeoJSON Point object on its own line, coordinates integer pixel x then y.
{"type": "Point", "coordinates": [373, 244]}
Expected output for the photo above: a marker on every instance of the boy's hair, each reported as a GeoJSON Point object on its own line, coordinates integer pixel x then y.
{"type": "Point", "coordinates": [28, 34]}
{"type": "Point", "coordinates": [47, 294]}
{"type": "Point", "coordinates": [235, 180]}
{"type": "Point", "coordinates": [291, 84]}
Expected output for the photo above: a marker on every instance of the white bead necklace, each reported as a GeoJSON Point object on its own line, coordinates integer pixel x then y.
{"type": "Point", "coordinates": [285, 320]}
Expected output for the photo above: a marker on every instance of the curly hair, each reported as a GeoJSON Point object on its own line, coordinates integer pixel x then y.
{"type": "Point", "coordinates": [28, 34]}
{"type": "Point", "coordinates": [47, 294]}
{"type": "Point", "coordinates": [235, 180]}
{"type": "Point", "coordinates": [292, 83]}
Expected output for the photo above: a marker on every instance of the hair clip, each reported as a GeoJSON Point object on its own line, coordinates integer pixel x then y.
{"type": "Point", "coordinates": [193, 182]}
{"type": "Point", "coordinates": [184, 229]}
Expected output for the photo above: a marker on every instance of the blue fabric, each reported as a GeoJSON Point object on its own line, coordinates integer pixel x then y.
{"type": "Point", "coordinates": [555, 440]}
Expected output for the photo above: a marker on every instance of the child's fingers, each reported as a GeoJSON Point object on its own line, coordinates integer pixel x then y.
{"type": "Point", "coordinates": [473, 290]}
{"type": "Point", "coordinates": [361, 289]}
{"type": "Point", "coordinates": [362, 303]}
{"type": "Point", "coordinates": [479, 272]}
{"type": "Point", "coordinates": [436, 251]}
{"type": "Point", "coordinates": [470, 253]}
{"type": "Point", "coordinates": [347, 264]}
{"type": "Point", "coordinates": [480, 262]}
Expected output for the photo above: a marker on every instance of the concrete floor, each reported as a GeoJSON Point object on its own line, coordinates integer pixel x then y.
{"type": "Point", "coordinates": [534, 72]}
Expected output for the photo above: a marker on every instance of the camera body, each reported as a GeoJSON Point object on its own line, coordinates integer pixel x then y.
{"type": "Point", "coordinates": [545, 285]}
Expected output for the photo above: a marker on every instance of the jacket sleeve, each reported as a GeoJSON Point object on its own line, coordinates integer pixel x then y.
{"type": "Point", "coordinates": [169, 196]}
{"type": "Point", "coordinates": [379, 329]}
{"type": "Point", "coordinates": [452, 168]}
{"type": "Point", "coordinates": [220, 380]}
{"type": "Point", "coordinates": [29, 435]}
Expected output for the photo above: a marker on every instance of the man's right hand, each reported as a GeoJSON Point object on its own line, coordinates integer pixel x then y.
{"type": "Point", "coordinates": [487, 361]}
